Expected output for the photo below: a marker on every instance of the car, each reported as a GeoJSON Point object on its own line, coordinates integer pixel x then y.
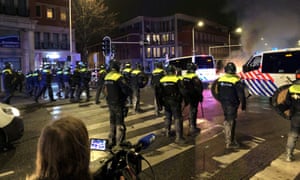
{"type": "Point", "coordinates": [11, 126]}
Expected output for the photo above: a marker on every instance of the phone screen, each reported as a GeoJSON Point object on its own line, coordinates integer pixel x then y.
{"type": "Point", "coordinates": [98, 144]}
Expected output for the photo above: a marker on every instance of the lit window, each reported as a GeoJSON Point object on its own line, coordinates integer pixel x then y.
{"type": "Point", "coordinates": [50, 13]}
{"type": "Point", "coordinates": [63, 15]}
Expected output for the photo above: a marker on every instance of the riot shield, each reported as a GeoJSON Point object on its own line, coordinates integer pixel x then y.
{"type": "Point", "coordinates": [278, 97]}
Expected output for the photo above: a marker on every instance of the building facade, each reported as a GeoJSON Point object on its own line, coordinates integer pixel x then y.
{"type": "Point", "coordinates": [167, 37]}
{"type": "Point", "coordinates": [34, 32]}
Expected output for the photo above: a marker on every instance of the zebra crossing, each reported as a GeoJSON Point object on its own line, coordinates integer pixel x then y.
{"type": "Point", "coordinates": [96, 118]}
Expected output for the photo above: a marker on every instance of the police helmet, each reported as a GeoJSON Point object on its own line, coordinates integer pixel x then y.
{"type": "Point", "coordinates": [159, 65]}
{"type": "Point", "coordinates": [114, 65]}
{"type": "Point", "coordinates": [230, 68]}
{"type": "Point", "coordinates": [7, 65]}
{"type": "Point", "coordinates": [127, 65]}
{"type": "Point", "coordinates": [297, 74]}
{"type": "Point", "coordinates": [47, 66]}
{"type": "Point", "coordinates": [102, 66]}
{"type": "Point", "coordinates": [171, 69]}
{"type": "Point", "coordinates": [191, 67]}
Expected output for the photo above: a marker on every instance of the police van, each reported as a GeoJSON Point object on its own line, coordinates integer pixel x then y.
{"type": "Point", "coordinates": [206, 70]}
{"type": "Point", "coordinates": [267, 71]}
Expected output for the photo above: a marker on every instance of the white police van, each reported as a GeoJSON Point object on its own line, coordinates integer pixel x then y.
{"type": "Point", "coordinates": [206, 70]}
{"type": "Point", "coordinates": [265, 72]}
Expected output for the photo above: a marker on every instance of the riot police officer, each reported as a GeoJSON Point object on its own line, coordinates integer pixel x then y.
{"type": "Point", "coordinates": [75, 83]}
{"type": "Point", "coordinates": [138, 80]}
{"type": "Point", "coordinates": [292, 103]}
{"type": "Point", "coordinates": [101, 75]}
{"type": "Point", "coordinates": [67, 81]}
{"type": "Point", "coordinates": [8, 79]}
{"type": "Point", "coordinates": [231, 94]}
{"type": "Point", "coordinates": [45, 83]}
{"type": "Point", "coordinates": [117, 91]}
{"type": "Point", "coordinates": [126, 72]}
{"type": "Point", "coordinates": [171, 95]}
{"type": "Point", "coordinates": [156, 75]}
{"type": "Point", "coordinates": [36, 78]}
{"type": "Point", "coordinates": [60, 81]}
{"type": "Point", "coordinates": [85, 78]}
{"type": "Point", "coordinates": [193, 88]}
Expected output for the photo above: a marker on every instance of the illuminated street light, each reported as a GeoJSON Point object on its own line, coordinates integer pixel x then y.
{"type": "Point", "coordinates": [238, 30]}
{"type": "Point", "coordinates": [199, 24]}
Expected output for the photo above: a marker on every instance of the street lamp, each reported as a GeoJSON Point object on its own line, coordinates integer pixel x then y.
{"type": "Point", "coordinates": [238, 30]}
{"type": "Point", "coordinates": [70, 29]}
{"type": "Point", "coordinates": [199, 24]}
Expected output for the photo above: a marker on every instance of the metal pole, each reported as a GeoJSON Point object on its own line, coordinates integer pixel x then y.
{"type": "Point", "coordinates": [229, 44]}
{"type": "Point", "coordinates": [193, 42]}
{"type": "Point", "coordinates": [70, 28]}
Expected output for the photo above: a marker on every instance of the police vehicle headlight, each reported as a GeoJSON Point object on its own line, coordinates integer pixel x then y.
{"type": "Point", "coordinates": [11, 111]}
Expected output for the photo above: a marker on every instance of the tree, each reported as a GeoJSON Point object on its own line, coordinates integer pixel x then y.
{"type": "Point", "coordinates": [92, 21]}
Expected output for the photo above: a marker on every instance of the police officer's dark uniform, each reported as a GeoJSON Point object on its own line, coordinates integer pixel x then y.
{"type": "Point", "coordinates": [137, 80]}
{"type": "Point", "coordinates": [156, 75]}
{"type": "Point", "coordinates": [101, 75]}
{"type": "Point", "coordinates": [126, 72]}
{"type": "Point", "coordinates": [85, 78]}
{"type": "Point", "coordinates": [60, 82]}
{"type": "Point", "coordinates": [46, 80]}
{"type": "Point", "coordinates": [193, 95]}
{"type": "Point", "coordinates": [171, 95]}
{"type": "Point", "coordinates": [67, 81]}
{"type": "Point", "coordinates": [8, 78]}
{"type": "Point", "coordinates": [75, 83]}
{"type": "Point", "coordinates": [29, 83]}
{"type": "Point", "coordinates": [231, 94]}
{"type": "Point", "coordinates": [117, 91]}
{"type": "Point", "coordinates": [36, 78]}
{"type": "Point", "coordinates": [20, 77]}
{"type": "Point", "coordinates": [292, 103]}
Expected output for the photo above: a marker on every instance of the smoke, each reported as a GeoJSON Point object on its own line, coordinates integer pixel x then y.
{"type": "Point", "coordinates": [267, 23]}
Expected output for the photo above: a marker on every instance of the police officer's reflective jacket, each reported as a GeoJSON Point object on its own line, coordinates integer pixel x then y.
{"type": "Point", "coordinates": [116, 88]}
{"type": "Point", "coordinates": [292, 103]}
{"type": "Point", "coordinates": [126, 72]}
{"type": "Point", "coordinates": [8, 78]}
{"type": "Point", "coordinates": [193, 87]}
{"type": "Point", "coordinates": [85, 75]}
{"type": "Point", "coordinates": [170, 89]}
{"type": "Point", "coordinates": [101, 75]}
{"type": "Point", "coordinates": [75, 78]}
{"type": "Point", "coordinates": [156, 75]}
{"type": "Point", "coordinates": [67, 75]}
{"type": "Point", "coordinates": [138, 79]}
{"type": "Point", "coordinates": [46, 77]}
{"type": "Point", "coordinates": [231, 90]}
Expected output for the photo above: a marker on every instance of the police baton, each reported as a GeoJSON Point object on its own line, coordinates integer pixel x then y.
{"type": "Point", "coordinates": [202, 109]}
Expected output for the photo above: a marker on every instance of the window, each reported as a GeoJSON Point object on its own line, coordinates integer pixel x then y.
{"type": "Point", "coordinates": [38, 11]}
{"type": "Point", "coordinates": [281, 62]}
{"type": "Point", "coordinates": [63, 15]}
{"type": "Point", "coordinates": [50, 13]}
{"type": "Point", "coordinates": [37, 40]}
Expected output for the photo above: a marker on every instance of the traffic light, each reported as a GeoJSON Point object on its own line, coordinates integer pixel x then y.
{"type": "Point", "coordinates": [106, 46]}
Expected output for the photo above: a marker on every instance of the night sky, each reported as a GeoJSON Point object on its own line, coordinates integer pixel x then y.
{"type": "Point", "coordinates": [211, 9]}
{"type": "Point", "coordinates": [277, 21]}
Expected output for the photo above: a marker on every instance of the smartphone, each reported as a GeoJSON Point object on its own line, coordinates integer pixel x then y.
{"type": "Point", "coordinates": [98, 144]}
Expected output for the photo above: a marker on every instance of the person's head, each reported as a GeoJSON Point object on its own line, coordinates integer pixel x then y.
{"type": "Point", "coordinates": [102, 66]}
{"type": "Point", "coordinates": [114, 65]}
{"type": "Point", "coordinates": [158, 65]}
{"type": "Point", "coordinates": [63, 151]}
{"type": "Point", "coordinates": [171, 70]}
{"type": "Point", "coordinates": [127, 65]}
{"type": "Point", "coordinates": [230, 68]}
{"type": "Point", "coordinates": [297, 76]}
{"type": "Point", "coordinates": [7, 65]}
{"type": "Point", "coordinates": [191, 67]}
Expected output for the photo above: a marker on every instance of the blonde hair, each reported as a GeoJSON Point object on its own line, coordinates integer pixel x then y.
{"type": "Point", "coordinates": [63, 151]}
